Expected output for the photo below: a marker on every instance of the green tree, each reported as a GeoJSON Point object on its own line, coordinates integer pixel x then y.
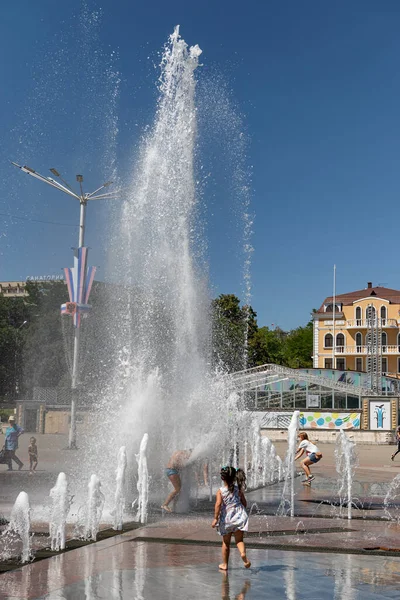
{"type": "Point", "coordinates": [230, 322]}
{"type": "Point", "coordinates": [44, 350]}
{"type": "Point", "coordinates": [13, 313]}
{"type": "Point", "coordinates": [267, 346]}
{"type": "Point", "coordinates": [299, 347]}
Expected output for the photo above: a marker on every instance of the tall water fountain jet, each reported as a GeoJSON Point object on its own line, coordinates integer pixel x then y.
{"type": "Point", "coordinates": [143, 481]}
{"type": "Point", "coordinates": [94, 510]}
{"type": "Point", "coordinates": [20, 523]}
{"type": "Point", "coordinates": [346, 462]}
{"type": "Point", "coordinates": [290, 467]}
{"type": "Point", "coordinates": [59, 512]}
{"type": "Point", "coordinates": [164, 385]}
{"type": "Point", "coordinates": [119, 498]}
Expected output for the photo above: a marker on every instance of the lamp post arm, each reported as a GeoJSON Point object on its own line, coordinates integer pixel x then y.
{"type": "Point", "coordinates": [47, 180]}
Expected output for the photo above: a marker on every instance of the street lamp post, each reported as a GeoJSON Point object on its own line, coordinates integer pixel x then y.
{"type": "Point", "coordinates": [83, 199]}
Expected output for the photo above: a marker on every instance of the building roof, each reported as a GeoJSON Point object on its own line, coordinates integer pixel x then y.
{"type": "Point", "coordinates": [393, 296]}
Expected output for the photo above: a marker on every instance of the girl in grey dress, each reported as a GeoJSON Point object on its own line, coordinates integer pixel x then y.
{"type": "Point", "coordinates": [230, 516]}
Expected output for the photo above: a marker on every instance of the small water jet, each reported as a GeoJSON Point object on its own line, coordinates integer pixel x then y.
{"type": "Point", "coordinates": [20, 524]}
{"type": "Point", "coordinates": [143, 481]}
{"type": "Point", "coordinates": [59, 512]}
{"type": "Point", "coordinates": [390, 508]}
{"type": "Point", "coordinates": [346, 462]}
{"type": "Point", "coordinates": [95, 505]}
{"type": "Point", "coordinates": [287, 502]}
{"type": "Point", "coordinates": [119, 498]}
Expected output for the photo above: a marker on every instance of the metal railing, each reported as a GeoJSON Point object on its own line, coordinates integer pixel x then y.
{"type": "Point", "coordinates": [364, 323]}
{"type": "Point", "coordinates": [355, 349]}
{"type": "Point", "coordinates": [257, 377]}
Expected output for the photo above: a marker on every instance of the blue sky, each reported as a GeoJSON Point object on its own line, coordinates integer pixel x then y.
{"type": "Point", "coordinates": [317, 87]}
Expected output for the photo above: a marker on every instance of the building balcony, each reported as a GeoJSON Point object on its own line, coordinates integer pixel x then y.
{"type": "Point", "coordinates": [365, 323]}
{"type": "Point", "coordinates": [363, 350]}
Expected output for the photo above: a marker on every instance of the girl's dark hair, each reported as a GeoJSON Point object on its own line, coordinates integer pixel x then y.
{"type": "Point", "coordinates": [241, 479]}
{"type": "Point", "coordinates": [228, 474]}
{"type": "Point", "coordinates": [303, 435]}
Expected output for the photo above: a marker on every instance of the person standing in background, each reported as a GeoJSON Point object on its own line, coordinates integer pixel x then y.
{"type": "Point", "coordinates": [13, 432]}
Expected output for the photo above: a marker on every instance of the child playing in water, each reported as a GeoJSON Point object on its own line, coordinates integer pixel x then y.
{"type": "Point", "coordinates": [230, 516]}
{"type": "Point", "coordinates": [33, 455]}
{"type": "Point", "coordinates": [313, 455]}
{"type": "Point", "coordinates": [397, 442]}
{"type": "Point", "coordinates": [173, 471]}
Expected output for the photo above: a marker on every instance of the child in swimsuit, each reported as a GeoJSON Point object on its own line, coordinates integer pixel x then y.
{"type": "Point", "coordinates": [172, 471]}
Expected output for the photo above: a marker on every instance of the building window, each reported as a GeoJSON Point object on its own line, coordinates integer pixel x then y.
{"type": "Point", "coordinates": [329, 308]}
{"type": "Point", "coordinates": [340, 342]}
{"type": "Point", "coordinates": [358, 316]}
{"type": "Point", "coordinates": [398, 365]}
{"type": "Point", "coordinates": [328, 343]}
{"type": "Point", "coordinates": [358, 342]}
{"type": "Point", "coordinates": [341, 364]}
{"type": "Point", "coordinates": [384, 341]}
{"type": "Point", "coordinates": [328, 363]}
{"type": "Point", "coordinates": [384, 366]}
{"type": "Point", "coordinates": [359, 365]}
{"type": "Point", "coordinates": [398, 341]}
{"type": "Point", "coordinates": [353, 402]}
{"type": "Point", "coordinates": [383, 315]}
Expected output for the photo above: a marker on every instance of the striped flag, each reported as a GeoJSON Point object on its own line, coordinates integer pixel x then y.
{"type": "Point", "coordinates": [79, 280]}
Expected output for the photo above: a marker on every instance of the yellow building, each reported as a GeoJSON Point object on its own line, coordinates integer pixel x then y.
{"type": "Point", "coordinates": [362, 322]}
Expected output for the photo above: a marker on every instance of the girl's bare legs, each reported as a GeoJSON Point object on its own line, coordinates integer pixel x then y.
{"type": "Point", "coordinates": [242, 548]}
{"type": "Point", "coordinates": [226, 543]}
{"type": "Point", "coordinates": [176, 482]}
{"type": "Point", "coordinates": [304, 465]}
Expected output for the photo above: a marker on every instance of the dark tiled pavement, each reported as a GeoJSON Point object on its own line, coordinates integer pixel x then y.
{"type": "Point", "coordinates": [177, 558]}
{"type": "Point", "coordinates": [124, 569]}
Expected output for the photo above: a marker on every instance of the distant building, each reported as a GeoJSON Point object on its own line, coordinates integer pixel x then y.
{"type": "Point", "coordinates": [13, 289]}
{"type": "Point", "coordinates": [361, 333]}
{"type": "Point", "coordinates": [17, 289]}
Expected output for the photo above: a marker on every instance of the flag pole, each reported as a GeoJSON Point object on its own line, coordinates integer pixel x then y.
{"type": "Point", "coordinates": [334, 323]}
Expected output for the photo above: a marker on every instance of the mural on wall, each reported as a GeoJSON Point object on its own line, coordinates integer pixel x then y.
{"type": "Point", "coordinates": [311, 420]}
{"type": "Point", "coordinates": [317, 420]}
{"type": "Point", "coordinates": [379, 415]}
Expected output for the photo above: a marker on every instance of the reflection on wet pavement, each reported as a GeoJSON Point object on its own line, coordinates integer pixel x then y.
{"type": "Point", "coordinates": [151, 571]}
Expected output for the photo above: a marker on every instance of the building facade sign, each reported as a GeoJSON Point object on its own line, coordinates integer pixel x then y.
{"type": "Point", "coordinates": [45, 278]}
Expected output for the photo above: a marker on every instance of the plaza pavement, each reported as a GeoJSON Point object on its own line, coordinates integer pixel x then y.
{"type": "Point", "coordinates": [176, 557]}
